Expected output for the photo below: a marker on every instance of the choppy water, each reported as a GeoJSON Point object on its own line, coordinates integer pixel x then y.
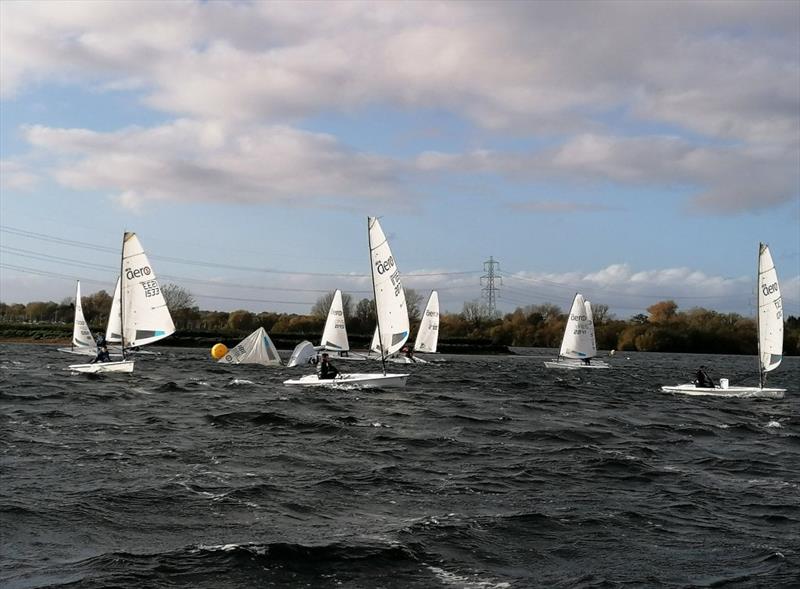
{"type": "Point", "coordinates": [484, 472]}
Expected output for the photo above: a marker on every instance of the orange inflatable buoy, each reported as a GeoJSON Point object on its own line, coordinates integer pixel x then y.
{"type": "Point", "coordinates": [218, 351]}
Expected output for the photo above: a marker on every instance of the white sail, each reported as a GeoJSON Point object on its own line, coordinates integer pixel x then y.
{"type": "Point", "coordinates": [334, 336]}
{"type": "Point", "coordinates": [256, 348]}
{"type": "Point", "coordinates": [578, 339]}
{"type": "Point", "coordinates": [428, 333]}
{"type": "Point", "coordinates": [390, 299]}
{"type": "Point", "coordinates": [590, 328]}
{"type": "Point", "coordinates": [145, 317]}
{"type": "Point", "coordinates": [81, 334]}
{"type": "Point", "coordinates": [114, 326]}
{"type": "Point", "coordinates": [770, 312]}
{"type": "Point", "coordinates": [375, 344]}
{"type": "Point", "coordinates": [302, 354]}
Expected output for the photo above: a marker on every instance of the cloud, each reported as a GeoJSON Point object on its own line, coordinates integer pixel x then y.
{"type": "Point", "coordinates": [721, 69]}
{"type": "Point", "coordinates": [724, 179]}
{"type": "Point", "coordinates": [558, 206]}
{"type": "Point", "coordinates": [214, 161]}
{"type": "Point", "coordinates": [16, 176]}
{"type": "Point", "coordinates": [723, 77]}
{"type": "Point", "coordinates": [627, 290]}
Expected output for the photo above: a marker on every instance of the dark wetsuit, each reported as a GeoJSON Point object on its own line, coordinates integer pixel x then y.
{"type": "Point", "coordinates": [702, 380]}
{"type": "Point", "coordinates": [102, 355]}
{"type": "Point", "coordinates": [326, 369]}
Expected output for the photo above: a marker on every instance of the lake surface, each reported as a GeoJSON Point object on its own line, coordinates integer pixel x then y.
{"type": "Point", "coordinates": [485, 472]}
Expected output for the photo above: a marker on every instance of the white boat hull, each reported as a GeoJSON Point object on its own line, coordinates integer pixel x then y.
{"type": "Point", "coordinates": [575, 364]}
{"type": "Point", "coordinates": [364, 380]}
{"type": "Point", "coordinates": [79, 351]}
{"type": "Point", "coordinates": [98, 367]}
{"type": "Point", "coordinates": [741, 392]}
{"type": "Point", "coordinates": [406, 360]}
{"type": "Point", "coordinates": [351, 357]}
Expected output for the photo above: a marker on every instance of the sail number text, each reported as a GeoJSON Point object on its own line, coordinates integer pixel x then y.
{"type": "Point", "coordinates": [150, 288]}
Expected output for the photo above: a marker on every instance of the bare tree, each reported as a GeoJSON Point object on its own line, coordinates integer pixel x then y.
{"type": "Point", "coordinates": [601, 314]}
{"type": "Point", "coordinates": [413, 302]}
{"type": "Point", "coordinates": [323, 304]}
{"type": "Point", "coordinates": [365, 313]}
{"type": "Point", "coordinates": [177, 297]}
{"type": "Point", "coordinates": [474, 312]}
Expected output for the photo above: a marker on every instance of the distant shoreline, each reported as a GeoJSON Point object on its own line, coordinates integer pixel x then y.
{"type": "Point", "coordinates": [280, 342]}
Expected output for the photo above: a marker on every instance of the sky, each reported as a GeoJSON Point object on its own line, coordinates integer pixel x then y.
{"type": "Point", "coordinates": [631, 151]}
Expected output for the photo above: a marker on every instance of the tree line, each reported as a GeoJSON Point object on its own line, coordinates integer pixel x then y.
{"type": "Point", "coordinates": [664, 328]}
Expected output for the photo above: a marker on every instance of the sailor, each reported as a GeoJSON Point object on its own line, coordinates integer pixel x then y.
{"type": "Point", "coordinates": [408, 353]}
{"type": "Point", "coordinates": [325, 369]}
{"type": "Point", "coordinates": [702, 380]}
{"type": "Point", "coordinates": [102, 354]}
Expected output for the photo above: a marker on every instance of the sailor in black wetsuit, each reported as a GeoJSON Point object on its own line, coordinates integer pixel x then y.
{"type": "Point", "coordinates": [702, 380]}
{"type": "Point", "coordinates": [325, 369]}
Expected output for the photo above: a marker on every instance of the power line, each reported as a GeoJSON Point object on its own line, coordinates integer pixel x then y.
{"type": "Point", "coordinates": [206, 264]}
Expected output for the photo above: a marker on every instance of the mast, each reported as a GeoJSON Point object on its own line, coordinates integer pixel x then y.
{"type": "Point", "coordinates": [121, 289]}
{"type": "Point", "coordinates": [375, 297]}
{"type": "Point", "coordinates": [758, 316]}
{"type": "Point", "coordinates": [75, 315]}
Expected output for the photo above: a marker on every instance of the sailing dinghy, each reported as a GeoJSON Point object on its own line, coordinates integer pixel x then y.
{"type": "Point", "coordinates": [143, 315]}
{"type": "Point", "coordinates": [256, 348]}
{"type": "Point", "coordinates": [427, 334]}
{"type": "Point", "coordinates": [334, 336]}
{"type": "Point", "coordinates": [82, 339]}
{"type": "Point", "coordinates": [770, 338]}
{"type": "Point", "coordinates": [578, 345]}
{"type": "Point", "coordinates": [390, 305]}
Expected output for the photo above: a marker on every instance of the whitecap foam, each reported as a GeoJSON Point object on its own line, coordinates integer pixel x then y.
{"type": "Point", "coordinates": [467, 582]}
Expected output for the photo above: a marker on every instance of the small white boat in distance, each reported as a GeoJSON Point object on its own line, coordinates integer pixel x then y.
{"type": "Point", "coordinates": [144, 316]}
{"type": "Point", "coordinates": [770, 339]}
{"type": "Point", "coordinates": [578, 346]}
{"type": "Point", "coordinates": [392, 315]}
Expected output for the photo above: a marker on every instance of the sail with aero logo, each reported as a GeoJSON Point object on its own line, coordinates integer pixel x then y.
{"type": "Point", "coordinates": [578, 346]}
{"type": "Point", "coordinates": [428, 333]}
{"type": "Point", "coordinates": [145, 316]}
{"type": "Point", "coordinates": [578, 339]}
{"type": "Point", "coordinates": [142, 310]}
{"type": "Point", "coordinates": [770, 314]}
{"type": "Point", "coordinates": [334, 336]}
{"type": "Point", "coordinates": [770, 341]}
{"type": "Point", "coordinates": [390, 298]}
{"type": "Point", "coordinates": [392, 332]}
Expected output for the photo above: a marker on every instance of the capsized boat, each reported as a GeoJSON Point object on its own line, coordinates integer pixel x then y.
{"type": "Point", "coordinates": [770, 339]}
{"type": "Point", "coordinates": [256, 348]}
